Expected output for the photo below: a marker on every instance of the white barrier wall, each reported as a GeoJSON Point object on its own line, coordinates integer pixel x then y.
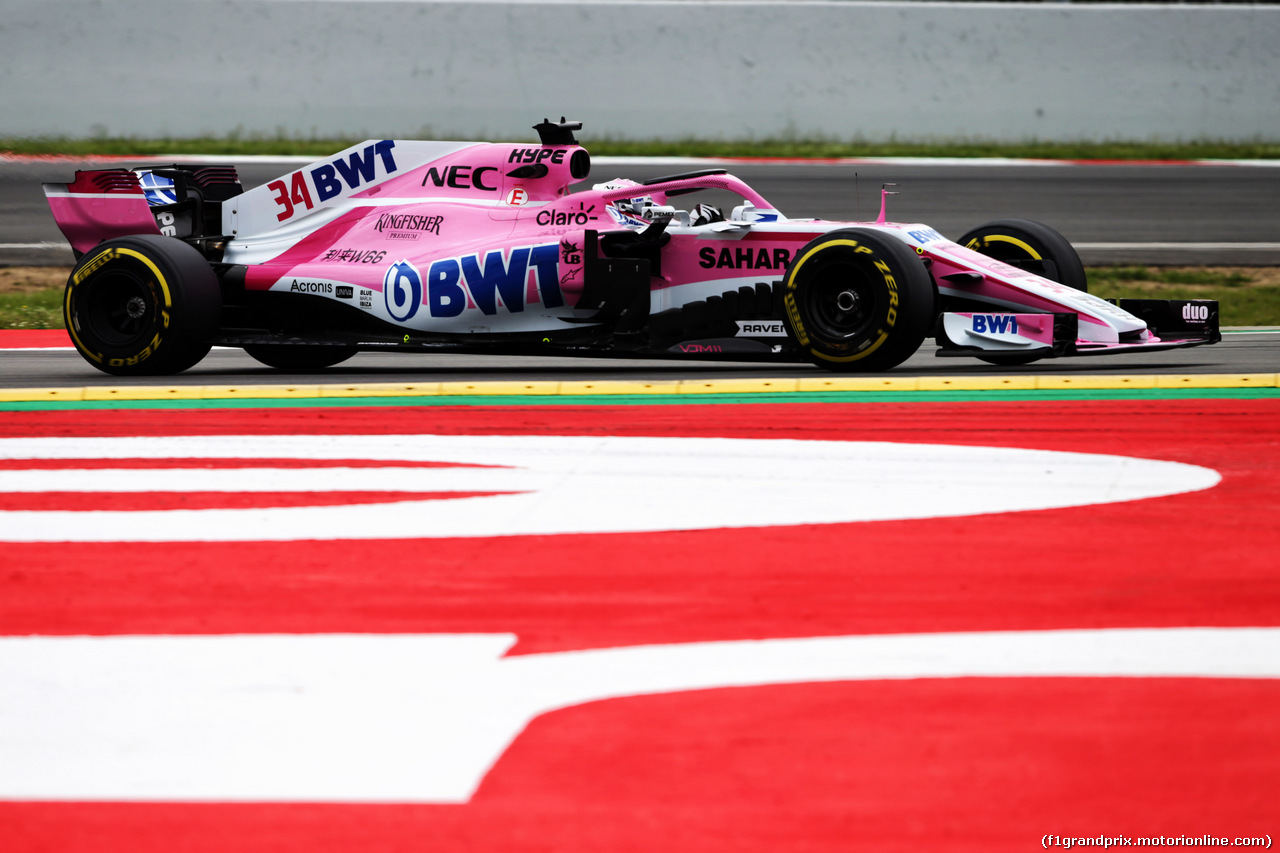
{"type": "Point", "coordinates": [720, 69]}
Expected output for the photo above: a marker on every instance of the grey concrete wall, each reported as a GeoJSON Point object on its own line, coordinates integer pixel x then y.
{"type": "Point", "coordinates": [640, 69]}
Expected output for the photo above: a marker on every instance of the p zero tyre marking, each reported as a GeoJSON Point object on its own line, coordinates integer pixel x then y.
{"type": "Point", "coordinates": [794, 312]}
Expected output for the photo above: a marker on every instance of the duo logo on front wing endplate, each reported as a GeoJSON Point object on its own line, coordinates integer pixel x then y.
{"type": "Point", "coordinates": [536, 485]}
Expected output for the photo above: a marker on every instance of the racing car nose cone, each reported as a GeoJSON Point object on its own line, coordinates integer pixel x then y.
{"type": "Point", "coordinates": [847, 300]}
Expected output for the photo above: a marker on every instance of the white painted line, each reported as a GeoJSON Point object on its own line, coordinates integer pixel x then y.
{"type": "Point", "coordinates": [47, 244]}
{"type": "Point", "coordinates": [567, 484]}
{"type": "Point", "coordinates": [423, 718]}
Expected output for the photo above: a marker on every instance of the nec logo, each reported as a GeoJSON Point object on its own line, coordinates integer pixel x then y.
{"type": "Point", "coordinates": [461, 178]}
{"type": "Point", "coordinates": [332, 179]}
{"type": "Point", "coordinates": [995, 324]}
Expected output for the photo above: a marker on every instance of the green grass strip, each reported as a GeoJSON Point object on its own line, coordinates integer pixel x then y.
{"type": "Point", "coordinates": [668, 399]}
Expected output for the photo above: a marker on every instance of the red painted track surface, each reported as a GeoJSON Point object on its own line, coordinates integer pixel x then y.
{"type": "Point", "coordinates": [963, 764]}
{"type": "Point", "coordinates": [34, 338]}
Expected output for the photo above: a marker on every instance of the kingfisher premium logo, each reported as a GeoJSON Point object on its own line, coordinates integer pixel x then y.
{"type": "Point", "coordinates": [407, 225]}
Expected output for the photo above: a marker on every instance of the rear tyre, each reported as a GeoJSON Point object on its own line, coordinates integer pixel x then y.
{"type": "Point", "coordinates": [299, 357]}
{"type": "Point", "coordinates": [142, 305]}
{"type": "Point", "coordinates": [857, 300]}
{"type": "Point", "coordinates": [1032, 246]}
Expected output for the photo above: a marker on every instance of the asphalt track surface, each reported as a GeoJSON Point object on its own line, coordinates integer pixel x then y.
{"type": "Point", "coordinates": [1171, 214]}
{"type": "Point", "coordinates": [1239, 353]}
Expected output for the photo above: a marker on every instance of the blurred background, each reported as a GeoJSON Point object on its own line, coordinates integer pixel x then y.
{"type": "Point", "coordinates": [640, 69]}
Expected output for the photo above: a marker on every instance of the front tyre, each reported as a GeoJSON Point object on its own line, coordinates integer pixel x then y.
{"type": "Point", "coordinates": [1034, 247]}
{"type": "Point", "coordinates": [1029, 245]}
{"type": "Point", "coordinates": [857, 300]}
{"type": "Point", "coordinates": [299, 356]}
{"type": "Point", "coordinates": [142, 305]}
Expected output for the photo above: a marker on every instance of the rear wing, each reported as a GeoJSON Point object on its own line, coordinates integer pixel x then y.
{"type": "Point", "coordinates": [97, 206]}
{"type": "Point", "coordinates": [173, 201]}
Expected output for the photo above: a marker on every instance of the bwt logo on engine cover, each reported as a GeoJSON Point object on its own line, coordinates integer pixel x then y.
{"type": "Point", "coordinates": [342, 175]}
{"type": "Point", "coordinates": [452, 285]}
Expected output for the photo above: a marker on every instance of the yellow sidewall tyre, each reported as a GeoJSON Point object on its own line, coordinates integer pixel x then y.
{"type": "Point", "coordinates": [857, 300]}
{"type": "Point", "coordinates": [142, 305]}
{"type": "Point", "coordinates": [1019, 241]}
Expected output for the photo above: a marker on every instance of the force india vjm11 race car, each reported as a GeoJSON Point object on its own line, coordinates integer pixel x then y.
{"type": "Point", "coordinates": [483, 248]}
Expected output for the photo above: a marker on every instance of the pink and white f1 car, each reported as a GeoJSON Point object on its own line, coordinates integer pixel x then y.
{"type": "Point", "coordinates": [483, 247]}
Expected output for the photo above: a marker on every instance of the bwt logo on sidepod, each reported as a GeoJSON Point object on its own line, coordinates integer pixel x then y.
{"type": "Point", "coordinates": [454, 284]}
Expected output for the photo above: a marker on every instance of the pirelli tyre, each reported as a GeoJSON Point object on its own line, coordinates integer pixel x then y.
{"type": "Point", "coordinates": [1032, 246]}
{"type": "Point", "coordinates": [857, 300]}
{"type": "Point", "coordinates": [1029, 245]}
{"type": "Point", "coordinates": [142, 305]}
{"type": "Point", "coordinates": [299, 356]}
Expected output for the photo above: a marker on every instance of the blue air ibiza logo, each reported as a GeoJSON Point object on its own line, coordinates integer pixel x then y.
{"type": "Point", "coordinates": [402, 287]}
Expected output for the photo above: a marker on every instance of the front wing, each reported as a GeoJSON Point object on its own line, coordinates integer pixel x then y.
{"type": "Point", "coordinates": [1171, 323]}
